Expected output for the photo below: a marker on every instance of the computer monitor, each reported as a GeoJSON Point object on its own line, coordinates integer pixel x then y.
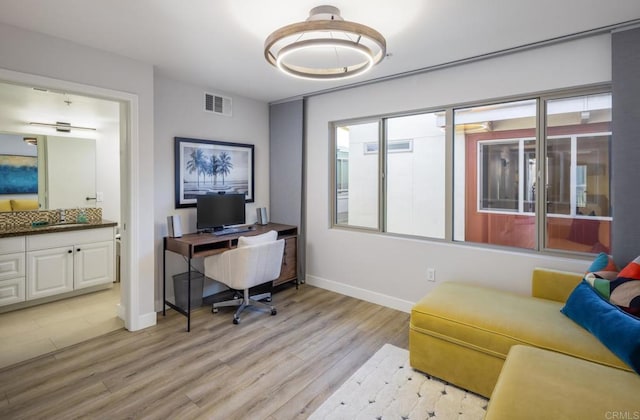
{"type": "Point", "coordinates": [215, 211]}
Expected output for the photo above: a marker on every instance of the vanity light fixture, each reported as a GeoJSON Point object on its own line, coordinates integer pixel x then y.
{"type": "Point", "coordinates": [30, 140]}
{"type": "Point", "coordinates": [62, 127]}
{"type": "Point", "coordinates": [325, 47]}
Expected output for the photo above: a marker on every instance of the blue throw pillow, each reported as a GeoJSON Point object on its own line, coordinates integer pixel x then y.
{"type": "Point", "coordinates": [616, 329]}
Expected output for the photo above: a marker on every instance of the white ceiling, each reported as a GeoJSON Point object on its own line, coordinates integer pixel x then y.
{"type": "Point", "coordinates": [20, 105]}
{"type": "Point", "coordinates": [219, 43]}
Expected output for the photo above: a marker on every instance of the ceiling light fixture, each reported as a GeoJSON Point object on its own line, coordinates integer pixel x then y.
{"type": "Point", "coordinates": [325, 47]}
{"type": "Point", "coordinates": [62, 127]}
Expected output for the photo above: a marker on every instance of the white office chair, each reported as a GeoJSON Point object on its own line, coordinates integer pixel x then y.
{"type": "Point", "coordinates": [256, 260]}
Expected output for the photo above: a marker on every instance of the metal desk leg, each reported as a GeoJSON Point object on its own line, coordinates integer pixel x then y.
{"type": "Point", "coordinates": [189, 294]}
{"type": "Point", "coordinates": [164, 277]}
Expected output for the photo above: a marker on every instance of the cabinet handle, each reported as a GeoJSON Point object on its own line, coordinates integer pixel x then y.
{"type": "Point", "coordinates": [70, 251]}
{"type": "Point", "coordinates": [78, 250]}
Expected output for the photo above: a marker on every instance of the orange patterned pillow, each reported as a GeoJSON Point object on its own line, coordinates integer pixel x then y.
{"type": "Point", "coordinates": [625, 289]}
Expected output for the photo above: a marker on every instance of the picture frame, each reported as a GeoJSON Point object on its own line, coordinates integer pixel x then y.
{"type": "Point", "coordinates": [212, 167]}
{"type": "Point", "coordinates": [18, 174]}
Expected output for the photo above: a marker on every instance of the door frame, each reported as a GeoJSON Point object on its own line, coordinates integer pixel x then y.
{"type": "Point", "coordinates": [129, 307]}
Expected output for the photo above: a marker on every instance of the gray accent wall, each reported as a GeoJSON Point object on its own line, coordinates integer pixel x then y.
{"type": "Point", "coordinates": [625, 148]}
{"type": "Point", "coordinates": [285, 136]}
{"type": "Point", "coordinates": [286, 169]}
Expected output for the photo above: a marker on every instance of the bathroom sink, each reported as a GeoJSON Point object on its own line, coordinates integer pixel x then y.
{"type": "Point", "coordinates": [67, 224]}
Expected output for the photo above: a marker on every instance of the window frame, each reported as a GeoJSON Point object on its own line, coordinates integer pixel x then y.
{"type": "Point", "coordinates": [479, 166]}
{"type": "Point", "coordinates": [448, 110]}
{"type": "Point", "coordinates": [333, 191]}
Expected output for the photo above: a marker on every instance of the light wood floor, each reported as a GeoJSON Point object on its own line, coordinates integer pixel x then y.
{"type": "Point", "coordinates": [280, 367]}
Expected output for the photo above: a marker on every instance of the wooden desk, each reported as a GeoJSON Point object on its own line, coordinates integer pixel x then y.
{"type": "Point", "coordinates": [199, 245]}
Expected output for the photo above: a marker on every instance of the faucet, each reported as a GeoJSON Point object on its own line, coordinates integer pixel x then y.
{"type": "Point", "coordinates": [62, 215]}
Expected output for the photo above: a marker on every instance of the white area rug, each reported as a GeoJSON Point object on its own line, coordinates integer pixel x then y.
{"type": "Point", "coordinates": [386, 387]}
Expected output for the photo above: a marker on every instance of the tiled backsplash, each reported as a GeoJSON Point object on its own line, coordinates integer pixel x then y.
{"type": "Point", "coordinates": [26, 218]}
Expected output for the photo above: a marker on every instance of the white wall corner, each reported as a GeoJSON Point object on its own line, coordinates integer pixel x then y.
{"type": "Point", "coordinates": [143, 321]}
{"type": "Point", "coordinates": [121, 311]}
{"type": "Point", "coordinates": [136, 322]}
{"type": "Point", "coordinates": [359, 293]}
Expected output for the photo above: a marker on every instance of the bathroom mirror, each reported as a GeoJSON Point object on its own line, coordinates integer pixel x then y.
{"type": "Point", "coordinates": [57, 172]}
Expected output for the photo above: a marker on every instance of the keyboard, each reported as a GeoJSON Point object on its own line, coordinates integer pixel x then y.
{"type": "Point", "coordinates": [230, 231]}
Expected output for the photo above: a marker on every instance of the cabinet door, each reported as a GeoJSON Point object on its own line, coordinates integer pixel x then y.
{"type": "Point", "coordinates": [12, 291]}
{"type": "Point", "coordinates": [289, 270]}
{"type": "Point", "coordinates": [49, 272]}
{"type": "Point", "coordinates": [11, 266]}
{"type": "Point", "coordinates": [93, 264]}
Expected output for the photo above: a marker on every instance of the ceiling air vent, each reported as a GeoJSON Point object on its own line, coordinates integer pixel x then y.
{"type": "Point", "coordinates": [217, 104]}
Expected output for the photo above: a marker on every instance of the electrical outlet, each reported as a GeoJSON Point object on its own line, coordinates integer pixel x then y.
{"type": "Point", "coordinates": [431, 274]}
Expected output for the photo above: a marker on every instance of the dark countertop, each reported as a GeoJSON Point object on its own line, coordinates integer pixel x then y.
{"type": "Point", "coordinates": [30, 230]}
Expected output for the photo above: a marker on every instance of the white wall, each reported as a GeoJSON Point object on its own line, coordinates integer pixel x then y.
{"type": "Point", "coordinates": [179, 113]}
{"type": "Point", "coordinates": [392, 270]}
{"type": "Point", "coordinates": [40, 55]}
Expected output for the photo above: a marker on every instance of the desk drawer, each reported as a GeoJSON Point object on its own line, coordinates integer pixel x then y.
{"type": "Point", "coordinates": [289, 270]}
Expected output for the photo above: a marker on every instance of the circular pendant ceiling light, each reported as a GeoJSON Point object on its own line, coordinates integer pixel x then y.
{"type": "Point", "coordinates": [325, 47]}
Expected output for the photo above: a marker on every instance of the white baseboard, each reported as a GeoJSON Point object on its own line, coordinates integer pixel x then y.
{"type": "Point", "coordinates": [143, 321]}
{"type": "Point", "coordinates": [363, 294]}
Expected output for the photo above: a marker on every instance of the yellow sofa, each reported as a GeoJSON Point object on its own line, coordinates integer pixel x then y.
{"type": "Point", "coordinates": [462, 333]}
{"type": "Point", "coordinates": [542, 384]}
{"type": "Point", "coordinates": [18, 205]}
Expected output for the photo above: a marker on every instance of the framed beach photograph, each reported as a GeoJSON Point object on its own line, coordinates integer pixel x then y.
{"type": "Point", "coordinates": [211, 167]}
{"type": "Point", "coordinates": [18, 174]}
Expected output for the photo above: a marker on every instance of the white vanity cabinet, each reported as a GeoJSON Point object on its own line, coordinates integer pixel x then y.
{"type": "Point", "coordinates": [50, 272]}
{"type": "Point", "coordinates": [93, 264]}
{"type": "Point", "coordinates": [12, 270]}
{"type": "Point", "coordinates": [66, 261]}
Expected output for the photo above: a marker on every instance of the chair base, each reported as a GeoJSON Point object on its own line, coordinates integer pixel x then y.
{"type": "Point", "coordinates": [244, 303]}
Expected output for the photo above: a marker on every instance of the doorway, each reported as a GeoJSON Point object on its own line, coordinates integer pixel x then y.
{"type": "Point", "coordinates": [127, 128]}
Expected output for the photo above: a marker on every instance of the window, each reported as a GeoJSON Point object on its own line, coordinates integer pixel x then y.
{"type": "Point", "coordinates": [495, 173]}
{"type": "Point", "coordinates": [356, 176]}
{"type": "Point", "coordinates": [505, 184]}
{"type": "Point", "coordinates": [413, 189]}
{"type": "Point", "coordinates": [415, 182]}
{"type": "Point", "coordinates": [578, 173]}
{"type": "Point", "coordinates": [531, 174]}
{"type": "Point", "coordinates": [394, 146]}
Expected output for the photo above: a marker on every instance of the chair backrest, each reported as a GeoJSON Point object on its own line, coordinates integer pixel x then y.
{"type": "Point", "coordinates": [251, 265]}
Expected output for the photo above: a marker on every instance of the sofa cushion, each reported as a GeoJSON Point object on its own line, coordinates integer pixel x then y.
{"type": "Point", "coordinates": [24, 204]}
{"type": "Point", "coordinates": [610, 323]}
{"type": "Point", "coordinates": [539, 384]}
{"type": "Point", "coordinates": [603, 267]}
{"type": "Point", "coordinates": [5, 205]}
{"type": "Point", "coordinates": [625, 289]}
{"type": "Point", "coordinates": [492, 321]}
{"type": "Point", "coordinates": [617, 330]}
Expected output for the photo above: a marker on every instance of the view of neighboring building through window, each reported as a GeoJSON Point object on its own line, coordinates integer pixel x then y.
{"type": "Point", "coordinates": [415, 175]}
{"type": "Point", "coordinates": [514, 184]}
{"type": "Point", "coordinates": [495, 172]}
{"type": "Point", "coordinates": [578, 173]}
{"type": "Point", "coordinates": [356, 175]}
{"type": "Point", "coordinates": [414, 181]}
